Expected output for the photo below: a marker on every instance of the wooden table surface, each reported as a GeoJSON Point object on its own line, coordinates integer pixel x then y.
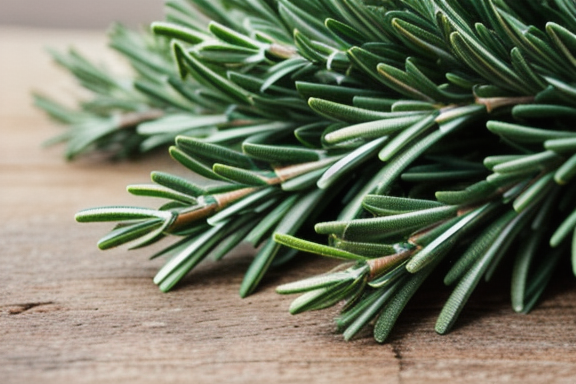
{"type": "Point", "coordinates": [71, 313]}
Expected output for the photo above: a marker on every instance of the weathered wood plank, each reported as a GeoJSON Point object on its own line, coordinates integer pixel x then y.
{"type": "Point", "coordinates": [70, 313]}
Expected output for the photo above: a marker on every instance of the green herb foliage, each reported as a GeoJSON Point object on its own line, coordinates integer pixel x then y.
{"type": "Point", "coordinates": [427, 134]}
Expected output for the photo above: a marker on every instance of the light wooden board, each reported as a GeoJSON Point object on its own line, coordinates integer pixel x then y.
{"type": "Point", "coordinates": [70, 313]}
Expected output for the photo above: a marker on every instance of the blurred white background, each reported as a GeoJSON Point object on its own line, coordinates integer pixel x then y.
{"type": "Point", "coordinates": [89, 14]}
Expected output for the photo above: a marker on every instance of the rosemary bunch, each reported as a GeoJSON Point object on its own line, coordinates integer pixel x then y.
{"type": "Point", "coordinates": [429, 131]}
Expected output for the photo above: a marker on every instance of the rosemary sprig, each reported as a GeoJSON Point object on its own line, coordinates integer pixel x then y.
{"type": "Point", "coordinates": [423, 130]}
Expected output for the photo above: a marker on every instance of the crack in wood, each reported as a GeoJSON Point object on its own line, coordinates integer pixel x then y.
{"type": "Point", "coordinates": [16, 309]}
{"type": "Point", "coordinates": [396, 349]}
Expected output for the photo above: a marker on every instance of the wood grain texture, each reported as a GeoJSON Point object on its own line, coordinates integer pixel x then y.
{"type": "Point", "coordinates": [70, 313]}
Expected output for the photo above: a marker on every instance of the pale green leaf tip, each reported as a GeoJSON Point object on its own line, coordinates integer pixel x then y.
{"type": "Point", "coordinates": [280, 238]}
{"type": "Point", "coordinates": [158, 278]}
{"type": "Point", "coordinates": [559, 180]}
{"type": "Point", "coordinates": [313, 100]}
{"type": "Point", "coordinates": [380, 338]}
{"type": "Point", "coordinates": [295, 308]}
{"type": "Point", "coordinates": [164, 289]}
{"type": "Point", "coordinates": [413, 266]}
{"type": "Point", "coordinates": [155, 25]}
{"type": "Point", "coordinates": [246, 288]}
{"type": "Point", "coordinates": [281, 291]}
{"type": "Point", "coordinates": [83, 216]}
{"type": "Point", "coordinates": [104, 245]}
{"type": "Point", "coordinates": [441, 328]}
{"type": "Point", "coordinates": [554, 241]}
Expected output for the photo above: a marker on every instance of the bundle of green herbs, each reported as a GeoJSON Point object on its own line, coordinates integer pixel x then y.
{"type": "Point", "coordinates": [422, 134]}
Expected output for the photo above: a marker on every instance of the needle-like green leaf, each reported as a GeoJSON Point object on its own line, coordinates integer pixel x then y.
{"type": "Point", "coordinates": [119, 214]}
{"type": "Point", "coordinates": [319, 249]}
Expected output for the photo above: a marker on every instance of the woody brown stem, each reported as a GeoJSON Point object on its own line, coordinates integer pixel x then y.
{"type": "Point", "coordinates": [492, 103]}
{"type": "Point", "coordinates": [131, 119]}
{"type": "Point", "coordinates": [414, 238]}
{"type": "Point", "coordinates": [187, 217]}
{"type": "Point", "coordinates": [224, 199]}
{"type": "Point", "coordinates": [240, 123]}
{"type": "Point", "coordinates": [291, 171]}
{"type": "Point", "coordinates": [282, 51]}
{"type": "Point", "coordinates": [383, 264]}
{"type": "Point", "coordinates": [220, 201]}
